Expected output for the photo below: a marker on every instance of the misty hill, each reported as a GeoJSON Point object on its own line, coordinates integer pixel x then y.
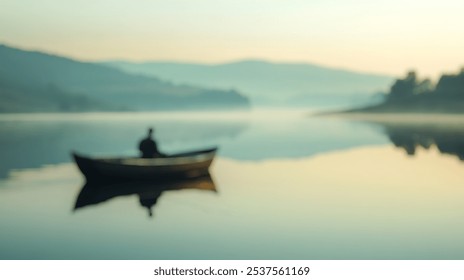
{"type": "Point", "coordinates": [34, 81]}
{"type": "Point", "coordinates": [18, 97]}
{"type": "Point", "coordinates": [268, 83]}
{"type": "Point", "coordinates": [412, 95]}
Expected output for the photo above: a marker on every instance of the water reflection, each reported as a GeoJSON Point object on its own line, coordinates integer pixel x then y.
{"type": "Point", "coordinates": [148, 192]}
{"type": "Point", "coordinates": [410, 137]}
{"type": "Point", "coordinates": [448, 140]}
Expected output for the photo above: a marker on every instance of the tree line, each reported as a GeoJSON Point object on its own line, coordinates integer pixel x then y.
{"type": "Point", "coordinates": [411, 86]}
{"type": "Point", "coordinates": [413, 95]}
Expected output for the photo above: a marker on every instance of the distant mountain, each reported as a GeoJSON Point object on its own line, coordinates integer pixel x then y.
{"type": "Point", "coordinates": [271, 83]}
{"type": "Point", "coordinates": [35, 81]}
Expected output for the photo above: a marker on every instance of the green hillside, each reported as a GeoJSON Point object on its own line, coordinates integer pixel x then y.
{"type": "Point", "coordinates": [35, 81]}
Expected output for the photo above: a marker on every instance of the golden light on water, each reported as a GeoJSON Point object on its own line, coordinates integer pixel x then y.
{"type": "Point", "coordinates": [378, 187]}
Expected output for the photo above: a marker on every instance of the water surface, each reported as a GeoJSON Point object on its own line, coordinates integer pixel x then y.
{"type": "Point", "coordinates": [283, 186]}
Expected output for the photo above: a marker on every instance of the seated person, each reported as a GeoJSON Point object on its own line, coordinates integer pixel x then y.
{"type": "Point", "coordinates": [148, 146]}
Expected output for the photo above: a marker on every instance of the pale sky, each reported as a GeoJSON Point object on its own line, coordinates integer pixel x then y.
{"type": "Point", "coordinates": [388, 37]}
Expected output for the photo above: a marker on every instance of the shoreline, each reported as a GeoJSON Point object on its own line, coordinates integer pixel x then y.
{"type": "Point", "coordinates": [398, 118]}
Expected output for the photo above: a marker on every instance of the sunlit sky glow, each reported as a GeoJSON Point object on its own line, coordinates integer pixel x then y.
{"type": "Point", "coordinates": [374, 36]}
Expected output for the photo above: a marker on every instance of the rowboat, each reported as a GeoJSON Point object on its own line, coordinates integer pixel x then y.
{"type": "Point", "coordinates": [176, 166]}
{"type": "Point", "coordinates": [148, 192]}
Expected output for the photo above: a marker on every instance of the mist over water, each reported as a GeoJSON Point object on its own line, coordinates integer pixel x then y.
{"type": "Point", "coordinates": [283, 186]}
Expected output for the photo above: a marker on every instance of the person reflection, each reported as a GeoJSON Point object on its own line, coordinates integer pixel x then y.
{"type": "Point", "coordinates": [149, 201]}
{"type": "Point", "coordinates": [148, 146]}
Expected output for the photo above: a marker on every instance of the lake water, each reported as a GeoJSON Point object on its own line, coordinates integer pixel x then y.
{"type": "Point", "coordinates": [284, 186]}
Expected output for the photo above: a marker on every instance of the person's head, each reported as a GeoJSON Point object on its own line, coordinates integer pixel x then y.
{"type": "Point", "coordinates": [150, 132]}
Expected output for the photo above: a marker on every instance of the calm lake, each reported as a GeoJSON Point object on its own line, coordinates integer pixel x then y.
{"type": "Point", "coordinates": [283, 186]}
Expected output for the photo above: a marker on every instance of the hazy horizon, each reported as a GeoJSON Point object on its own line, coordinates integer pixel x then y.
{"type": "Point", "coordinates": [388, 37]}
{"type": "Point", "coordinates": [433, 77]}
{"type": "Point", "coordinates": [194, 62]}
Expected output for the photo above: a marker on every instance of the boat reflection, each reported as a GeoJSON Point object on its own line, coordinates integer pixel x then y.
{"type": "Point", "coordinates": [98, 191]}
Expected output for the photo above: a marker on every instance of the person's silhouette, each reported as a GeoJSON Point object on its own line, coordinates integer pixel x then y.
{"type": "Point", "coordinates": [148, 146]}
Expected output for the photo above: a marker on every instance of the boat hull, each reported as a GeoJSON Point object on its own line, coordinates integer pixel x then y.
{"type": "Point", "coordinates": [182, 166]}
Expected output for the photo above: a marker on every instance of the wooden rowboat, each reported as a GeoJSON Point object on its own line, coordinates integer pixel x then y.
{"type": "Point", "coordinates": [177, 166]}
